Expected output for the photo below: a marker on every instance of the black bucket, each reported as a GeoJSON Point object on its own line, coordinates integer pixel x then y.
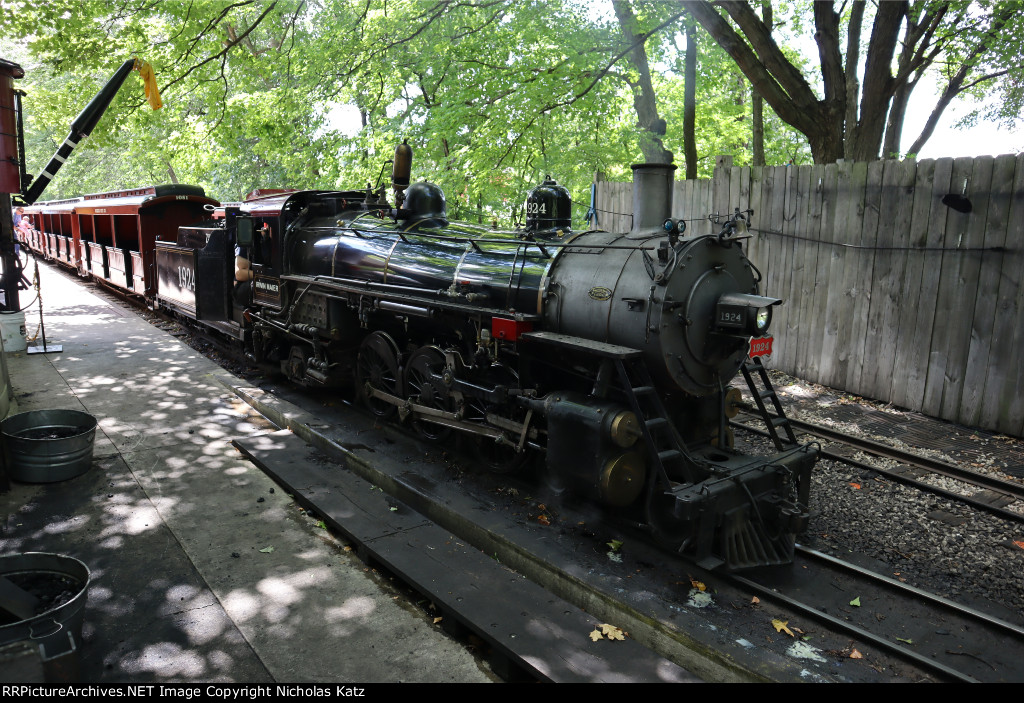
{"type": "Point", "coordinates": [44, 446]}
{"type": "Point", "coordinates": [57, 587]}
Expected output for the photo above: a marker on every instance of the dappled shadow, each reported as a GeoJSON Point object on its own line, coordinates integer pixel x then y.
{"type": "Point", "coordinates": [149, 615]}
{"type": "Point", "coordinates": [202, 568]}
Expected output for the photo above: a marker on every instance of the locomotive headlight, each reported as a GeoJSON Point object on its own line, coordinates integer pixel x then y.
{"type": "Point", "coordinates": [744, 315]}
{"type": "Point", "coordinates": [764, 316]}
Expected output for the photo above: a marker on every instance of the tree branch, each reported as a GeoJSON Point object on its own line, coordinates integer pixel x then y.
{"type": "Point", "coordinates": [224, 51]}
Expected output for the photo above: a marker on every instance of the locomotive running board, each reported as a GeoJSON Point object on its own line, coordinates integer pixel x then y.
{"type": "Point", "coordinates": [588, 346]}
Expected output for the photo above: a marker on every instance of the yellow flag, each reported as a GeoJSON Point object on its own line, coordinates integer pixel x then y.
{"type": "Point", "coordinates": [149, 80]}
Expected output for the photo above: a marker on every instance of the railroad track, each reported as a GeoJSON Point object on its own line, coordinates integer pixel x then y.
{"type": "Point", "coordinates": [950, 640]}
{"type": "Point", "coordinates": [981, 491]}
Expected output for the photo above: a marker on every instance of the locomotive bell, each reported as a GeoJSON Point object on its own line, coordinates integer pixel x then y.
{"type": "Point", "coordinates": [424, 206]}
{"type": "Point", "coordinates": [548, 207]}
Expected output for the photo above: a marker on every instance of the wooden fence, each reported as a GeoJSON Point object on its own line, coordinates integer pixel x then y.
{"type": "Point", "coordinates": [889, 293]}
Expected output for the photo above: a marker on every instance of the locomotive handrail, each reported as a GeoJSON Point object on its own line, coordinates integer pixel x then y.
{"type": "Point", "coordinates": [348, 285]}
{"type": "Point", "coordinates": [483, 240]}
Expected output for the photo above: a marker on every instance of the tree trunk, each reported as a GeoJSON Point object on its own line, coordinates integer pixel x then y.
{"type": "Point", "coordinates": [757, 102]}
{"type": "Point", "coordinates": [894, 126]}
{"type": "Point", "coordinates": [652, 127]}
{"type": "Point", "coordinates": [879, 87]}
{"type": "Point", "coordinates": [852, 82]}
{"type": "Point", "coordinates": [690, 102]}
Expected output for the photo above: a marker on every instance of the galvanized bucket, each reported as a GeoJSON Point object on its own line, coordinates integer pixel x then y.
{"type": "Point", "coordinates": [44, 446]}
{"type": "Point", "coordinates": [59, 587]}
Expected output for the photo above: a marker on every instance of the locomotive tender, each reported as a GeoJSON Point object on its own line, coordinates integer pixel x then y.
{"type": "Point", "coordinates": [609, 353]}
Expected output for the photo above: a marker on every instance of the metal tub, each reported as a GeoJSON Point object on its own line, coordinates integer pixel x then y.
{"type": "Point", "coordinates": [61, 585]}
{"type": "Point", "coordinates": [45, 446]}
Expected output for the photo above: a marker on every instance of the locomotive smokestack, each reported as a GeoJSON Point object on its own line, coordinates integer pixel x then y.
{"type": "Point", "coordinates": [652, 197]}
{"type": "Point", "coordinates": [401, 171]}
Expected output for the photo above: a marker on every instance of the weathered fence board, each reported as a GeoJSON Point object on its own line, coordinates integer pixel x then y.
{"type": "Point", "coordinates": [823, 266]}
{"type": "Point", "coordinates": [985, 313]}
{"type": "Point", "coordinates": [940, 374]}
{"type": "Point", "coordinates": [907, 370]}
{"type": "Point", "coordinates": [888, 292]}
{"type": "Point", "coordinates": [1009, 411]}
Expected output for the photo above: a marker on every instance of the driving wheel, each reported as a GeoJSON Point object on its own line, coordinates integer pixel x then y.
{"type": "Point", "coordinates": [377, 368]}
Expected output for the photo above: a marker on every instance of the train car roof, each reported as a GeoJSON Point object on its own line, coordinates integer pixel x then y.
{"type": "Point", "coordinates": [66, 205]}
{"type": "Point", "coordinates": [131, 201]}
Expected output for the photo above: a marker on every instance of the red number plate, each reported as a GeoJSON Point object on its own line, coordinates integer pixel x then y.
{"type": "Point", "coordinates": [761, 346]}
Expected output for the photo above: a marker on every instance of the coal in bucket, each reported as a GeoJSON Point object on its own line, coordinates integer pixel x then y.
{"type": "Point", "coordinates": [42, 602]}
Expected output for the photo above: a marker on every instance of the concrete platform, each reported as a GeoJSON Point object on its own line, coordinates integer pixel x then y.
{"type": "Point", "coordinates": [203, 569]}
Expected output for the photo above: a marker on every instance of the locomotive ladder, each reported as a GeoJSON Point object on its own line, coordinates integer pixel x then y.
{"type": "Point", "coordinates": [752, 370]}
{"type": "Point", "coordinates": [671, 459]}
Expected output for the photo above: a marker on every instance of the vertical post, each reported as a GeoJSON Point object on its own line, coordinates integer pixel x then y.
{"type": "Point", "coordinates": [720, 186]}
{"type": "Point", "coordinates": [11, 271]}
{"type": "Point", "coordinates": [10, 181]}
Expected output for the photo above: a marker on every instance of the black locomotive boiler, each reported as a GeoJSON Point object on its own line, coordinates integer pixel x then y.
{"type": "Point", "coordinates": [607, 353]}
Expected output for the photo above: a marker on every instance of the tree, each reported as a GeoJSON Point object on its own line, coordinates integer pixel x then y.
{"type": "Point", "coordinates": [973, 43]}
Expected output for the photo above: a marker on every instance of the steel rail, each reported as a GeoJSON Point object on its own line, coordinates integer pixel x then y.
{"type": "Point", "coordinates": [934, 465]}
{"type": "Point", "coordinates": [854, 630]}
{"type": "Point", "coordinates": [958, 608]}
{"type": "Point", "coordinates": [910, 481]}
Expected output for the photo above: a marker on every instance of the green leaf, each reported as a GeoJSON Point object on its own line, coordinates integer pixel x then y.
{"type": "Point", "coordinates": [267, 550]}
{"type": "Point", "coordinates": [855, 602]}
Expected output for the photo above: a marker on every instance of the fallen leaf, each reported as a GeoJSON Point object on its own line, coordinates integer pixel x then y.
{"type": "Point", "coordinates": [855, 485]}
{"type": "Point", "coordinates": [543, 519]}
{"type": "Point", "coordinates": [1019, 543]}
{"type": "Point", "coordinates": [855, 602]}
{"type": "Point", "coordinates": [905, 641]}
{"type": "Point", "coordinates": [394, 509]}
{"type": "Point", "coordinates": [615, 544]}
{"type": "Point", "coordinates": [856, 655]}
{"type": "Point", "coordinates": [267, 550]}
{"type": "Point", "coordinates": [437, 620]}
{"type": "Point", "coordinates": [780, 626]}
{"type": "Point", "coordinates": [612, 632]}
{"type": "Point", "coordinates": [595, 636]}
{"type": "Point", "coordinates": [755, 600]}
{"type": "Point", "coordinates": [698, 585]}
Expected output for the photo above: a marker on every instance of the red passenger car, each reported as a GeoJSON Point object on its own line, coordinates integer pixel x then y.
{"type": "Point", "coordinates": [119, 230]}
{"type": "Point", "coordinates": [54, 233]}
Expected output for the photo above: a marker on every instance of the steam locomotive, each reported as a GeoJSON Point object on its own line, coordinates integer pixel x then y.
{"type": "Point", "coordinates": [608, 354]}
